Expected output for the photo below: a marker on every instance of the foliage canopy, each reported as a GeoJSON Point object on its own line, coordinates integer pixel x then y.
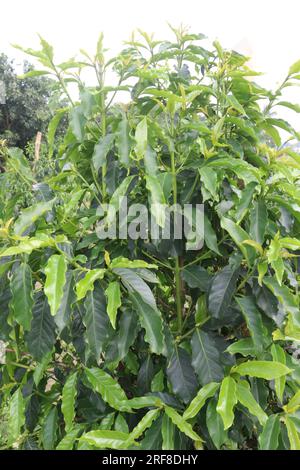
{"type": "Point", "coordinates": [142, 343]}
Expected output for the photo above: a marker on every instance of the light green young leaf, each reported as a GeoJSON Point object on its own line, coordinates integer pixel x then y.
{"type": "Point", "coordinates": [182, 424]}
{"type": "Point", "coordinates": [16, 416]}
{"type": "Point", "coordinates": [199, 401]}
{"type": "Point", "coordinates": [167, 432]}
{"type": "Point", "coordinates": [268, 439]}
{"type": "Point", "coordinates": [108, 388]}
{"type": "Point", "coordinates": [141, 138]}
{"type": "Point", "coordinates": [107, 439]}
{"type": "Point", "coordinates": [293, 434]}
{"type": "Point", "coordinates": [87, 282]}
{"type": "Point", "coordinates": [55, 271]}
{"type": "Point", "coordinates": [246, 398]}
{"type": "Point", "coordinates": [69, 394]}
{"type": "Point", "coordinates": [31, 215]}
{"type": "Point", "coordinates": [113, 294]}
{"type": "Point", "coordinates": [227, 401]}
{"type": "Point", "coordinates": [268, 370]}
{"type": "Point", "coordinates": [278, 355]}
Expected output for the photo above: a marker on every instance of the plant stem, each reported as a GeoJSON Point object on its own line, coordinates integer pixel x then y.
{"type": "Point", "coordinates": [177, 266]}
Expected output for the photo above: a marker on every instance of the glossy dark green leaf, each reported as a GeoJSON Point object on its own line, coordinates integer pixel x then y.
{"type": "Point", "coordinates": [98, 327]}
{"type": "Point", "coordinates": [206, 358]}
{"type": "Point", "coordinates": [196, 277]}
{"type": "Point", "coordinates": [22, 299]}
{"type": "Point", "coordinates": [221, 290]}
{"type": "Point", "coordinates": [254, 321]}
{"type": "Point", "coordinates": [258, 221]}
{"type": "Point", "coordinates": [41, 337]}
{"type": "Point", "coordinates": [181, 375]}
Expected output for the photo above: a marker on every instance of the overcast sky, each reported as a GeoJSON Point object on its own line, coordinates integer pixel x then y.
{"type": "Point", "coordinates": [268, 30]}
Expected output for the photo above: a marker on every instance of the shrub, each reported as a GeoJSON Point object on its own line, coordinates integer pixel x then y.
{"type": "Point", "coordinates": [145, 343]}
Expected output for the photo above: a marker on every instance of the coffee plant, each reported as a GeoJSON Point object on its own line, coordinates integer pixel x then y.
{"type": "Point", "coordinates": [144, 343]}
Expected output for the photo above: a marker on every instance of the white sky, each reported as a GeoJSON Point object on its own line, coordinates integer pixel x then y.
{"type": "Point", "coordinates": [268, 30]}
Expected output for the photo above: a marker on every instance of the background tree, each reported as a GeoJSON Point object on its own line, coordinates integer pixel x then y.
{"type": "Point", "coordinates": [29, 104]}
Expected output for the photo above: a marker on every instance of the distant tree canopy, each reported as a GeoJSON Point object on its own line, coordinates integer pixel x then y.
{"type": "Point", "coordinates": [27, 108]}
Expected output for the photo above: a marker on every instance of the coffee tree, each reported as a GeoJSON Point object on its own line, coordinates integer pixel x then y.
{"type": "Point", "coordinates": [145, 343]}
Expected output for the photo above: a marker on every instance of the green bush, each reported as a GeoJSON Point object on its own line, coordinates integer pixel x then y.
{"type": "Point", "coordinates": [144, 343]}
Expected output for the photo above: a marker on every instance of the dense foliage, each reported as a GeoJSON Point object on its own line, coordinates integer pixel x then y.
{"type": "Point", "coordinates": [144, 344]}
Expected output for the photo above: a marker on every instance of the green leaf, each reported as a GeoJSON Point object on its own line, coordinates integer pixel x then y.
{"type": "Point", "coordinates": [246, 398]}
{"type": "Point", "coordinates": [16, 416]}
{"type": "Point", "coordinates": [295, 68]}
{"type": "Point", "coordinates": [285, 297]}
{"type": "Point", "coordinates": [293, 434]}
{"type": "Point", "coordinates": [87, 282]}
{"type": "Point", "coordinates": [101, 150]}
{"type": "Point", "coordinates": [215, 425]}
{"type": "Point", "coordinates": [144, 424]}
{"type": "Point", "coordinates": [181, 375]}
{"type": "Point", "coordinates": [167, 431]}
{"type": "Point", "coordinates": [239, 236]}
{"type": "Point", "coordinates": [287, 104]}
{"type": "Point", "coordinates": [293, 404]}
{"type": "Point", "coordinates": [69, 393]}
{"type": "Point", "coordinates": [121, 262]}
{"type": "Point", "coordinates": [108, 388]}
{"type": "Point", "coordinates": [107, 439]}
{"type": "Point", "coordinates": [196, 277]}
{"type": "Point", "coordinates": [254, 321]}
{"type": "Point", "coordinates": [245, 200]}
{"type": "Point", "coordinates": [278, 355]}
{"type": "Point", "coordinates": [227, 401]}
{"type": "Point", "coordinates": [64, 311]}
{"type": "Point", "coordinates": [77, 122]}
{"type": "Point", "coordinates": [49, 429]}
{"type": "Point", "coordinates": [151, 320]}
{"type": "Point", "coordinates": [210, 237]}
{"type": "Point", "coordinates": [200, 399]}
{"type": "Point", "coordinates": [41, 367]}
{"type": "Point", "coordinates": [121, 424]}
{"type": "Point", "coordinates": [117, 198]}
{"type": "Point", "coordinates": [141, 138]}
{"type": "Point", "coordinates": [41, 338]}
{"type": "Point", "coordinates": [67, 442]}
{"type": "Point", "coordinates": [268, 439]}
{"type": "Point", "coordinates": [258, 221]}
{"type": "Point", "coordinates": [157, 199]}
{"type": "Point", "coordinates": [150, 161]}
{"type": "Point", "coordinates": [182, 425]}
{"type": "Point", "coordinates": [27, 246]}
{"type": "Point", "coordinates": [245, 347]}
{"type": "Point", "coordinates": [55, 271]}
{"type": "Point", "coordinates": [52, 127]}
{"type": "Point", "coordinates": [268, 370]}
{"type": "Point", "coordinates": [30, 215]}
{"type": "Point", "coordinates": [221, 291]}
{"type": "Point", "coordinates": [123, 141]}
{"type": "Point", "coordinates": [209, 178]}
{"type": "Point", "coordinates": [206, 358]}
{"type": "Point", "coordinates": [22, 300]}
{"type": "Point", "coordinates": [124, 337]}
{"type": "Point", "coordinates": [98, 328]}
{"type": "Point", "coordinates": [113, 294]}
